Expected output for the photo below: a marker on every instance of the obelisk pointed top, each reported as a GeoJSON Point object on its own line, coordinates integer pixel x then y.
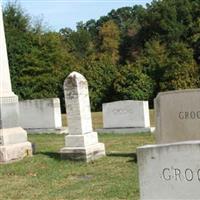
{"type": "Point", "coordinates": [5, 81]}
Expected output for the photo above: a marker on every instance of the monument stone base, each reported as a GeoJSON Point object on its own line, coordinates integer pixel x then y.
{"type": "Point", "coordinates": [14, 145]}
{"type": "Point", "coordinates": [82, 147]}
{"type": "Point", "coordinates": [126, 130]}
{"type": "Point", "coordinates": [15, 152]}
{"type": "Point", "coordinates": [62, 130]}
{"type": "Point", "coordinates": [88, 153]}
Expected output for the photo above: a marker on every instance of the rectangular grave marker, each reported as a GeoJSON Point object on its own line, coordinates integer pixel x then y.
{"type": "Point", "coordinates": [40, 114]}
{"type": "Point", "coordinates": [177, 116]}
{"type": "Point", "coordinates": [169, 171]}
{"type": "Point", "coordinates": [124, 114]}
{"type": "Point", "coordinates": [127, 116]}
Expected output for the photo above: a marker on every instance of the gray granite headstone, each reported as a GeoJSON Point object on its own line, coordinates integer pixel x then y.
{"type": "Point", "coordinates": [45, 112]}
{"type": "Point", "coordinates": [127, 116]}
{"type": "Point", "coordinates": [169, 171]}
{"type": "Point", "coordinates": [177, 116]}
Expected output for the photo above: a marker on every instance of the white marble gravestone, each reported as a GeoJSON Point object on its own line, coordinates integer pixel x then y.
{"type": "Point", "coordinates": [177, 116]}
{"type": "Point", "coordinates": [13, 139]}
{"type": "Point", "coordinates": [40, 115]}
{"type": "Point", "coordinates": [126, 116]}
{"type": "Point", "coordinates": [81, 143]}
{"type": "Point", "coordinates": [169, 171]}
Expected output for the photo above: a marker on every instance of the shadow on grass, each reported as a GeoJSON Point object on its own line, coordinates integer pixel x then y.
{"type": "Point", "coordinates": [133, 156]}
{"type": "Point", "coordinates": [57, 156]}
{"type": "Point", "coordinates": [53, 155]}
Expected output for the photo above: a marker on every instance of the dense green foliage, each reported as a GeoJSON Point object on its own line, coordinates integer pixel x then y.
{"type": "Point", "coordinates": [131, 53]}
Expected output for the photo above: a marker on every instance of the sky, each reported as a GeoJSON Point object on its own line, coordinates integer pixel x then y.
{"type": "Point", "coordinates": [58, 14]}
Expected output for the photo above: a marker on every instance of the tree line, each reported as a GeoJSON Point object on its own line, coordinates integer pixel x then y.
{"type": "Point", "coordinates": [131, 53]}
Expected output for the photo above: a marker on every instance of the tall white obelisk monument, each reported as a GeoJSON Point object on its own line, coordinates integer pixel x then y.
{"type": "Point", "coordinates": [13, 139]}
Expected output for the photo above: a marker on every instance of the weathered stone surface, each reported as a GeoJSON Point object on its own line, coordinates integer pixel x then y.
{"type": "Point", "coordinates": [177, 116]}
{"type": "Point", "coordinates": [13, 139]}
{"type": "Point", "coordinates": [10, 136]}
{"type": "Point", "coordinates": [40, 114]}
{"type": "Point", "coordinates": [169, 171]}
{"type": "Point", "coordinates": [15, 152]}
{"type": "Point", "coordinates": [9, 111]}
{"type": "Point", "coordinates": [82, 142]}
{"type": "Point", "coordinates": [126, 114]}
{"type": "Point", "coordinates": [77, 104]}
{"type": "Point", "coordinates": [87, 153]}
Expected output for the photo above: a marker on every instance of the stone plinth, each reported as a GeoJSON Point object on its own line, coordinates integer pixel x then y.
{"type": "Point", "coordinates": [13, 139]}
{"type": "Point", "coordinates": [15, 152]}
{"type": "Point", "coordinates": [125, 130]}
{"type": "Point", "coordinates": [169, 171]}
{"type": "Point", "coordinates": [177, 116]}
{"type": "Point", "coordinates": [88, 153]}
{"type": "Point", "coordinates": [81, 143]}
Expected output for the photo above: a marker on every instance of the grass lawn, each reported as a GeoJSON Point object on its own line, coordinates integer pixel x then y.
{"type": "Point", "coordinates": [45, 176]}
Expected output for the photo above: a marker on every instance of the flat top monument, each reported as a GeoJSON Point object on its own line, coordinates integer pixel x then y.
{"type": "Point", "coordinates": [177, 116]}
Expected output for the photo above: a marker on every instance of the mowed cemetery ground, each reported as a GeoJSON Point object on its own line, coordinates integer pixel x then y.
{"type": "Point", "coordinates": [45, 176]}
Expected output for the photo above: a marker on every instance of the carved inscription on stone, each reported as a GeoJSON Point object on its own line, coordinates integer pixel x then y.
{"type": "Point", "coordinates": [169, 171]}
{"type": "Point", "coordinates": [122, 111]}
{"type": "Point", "coordinates": [188, 115]}
{"type": "Point", "coordinates": [177, 174]}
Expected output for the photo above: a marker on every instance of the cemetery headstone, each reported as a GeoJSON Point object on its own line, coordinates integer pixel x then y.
{"type": "Point", "coordinates": [13, 139]}
{"type": "Point", "coordinates": [126, 116]}
{"type": "Point", "coordinates": [169, 171]}
{"type": "Point", "coordinates": [177, 116]}
{"type": "Point", "coordinates": [41, 115]}
{"type": "Point", "coordinates": [81, 143]}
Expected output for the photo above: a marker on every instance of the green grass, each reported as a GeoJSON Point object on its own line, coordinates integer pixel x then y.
{"type": "Point", "coordinates": [45, 176]}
